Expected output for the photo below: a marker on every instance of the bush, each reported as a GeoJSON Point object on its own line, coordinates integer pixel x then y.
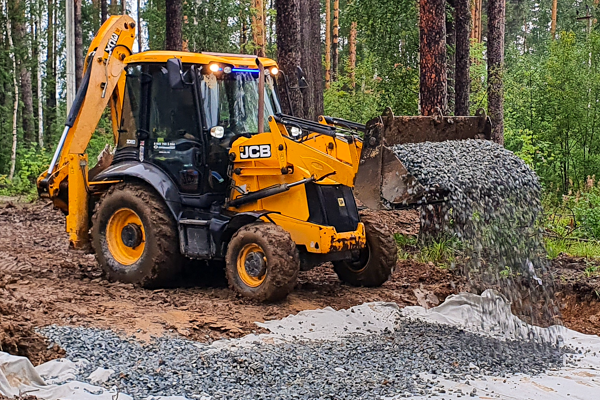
{"type": "Point", "coordinates": [30, 164]}
{"type": "Point", "coordinates": [581, 212]}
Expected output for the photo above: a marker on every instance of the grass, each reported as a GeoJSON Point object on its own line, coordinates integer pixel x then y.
{"type": "Point", "coordinates": [574, 248]}
{"type": "Point", "coordinates": [441, 252]}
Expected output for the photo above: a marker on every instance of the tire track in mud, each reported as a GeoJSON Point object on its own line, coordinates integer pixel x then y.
{"type": "Point", "coordinates": [65, 287]}
{"type": "Point", "coordinates": [10, 263]}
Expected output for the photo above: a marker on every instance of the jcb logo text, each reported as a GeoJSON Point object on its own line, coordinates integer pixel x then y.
{"type": "Point", "coordinates": [256, 151]}
{"type": "Point", "coordinates": [112, 43]}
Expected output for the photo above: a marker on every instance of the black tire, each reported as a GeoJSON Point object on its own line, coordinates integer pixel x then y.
{"type": "Point", "coordinates": [160, 261]}
{"type": "Point", "coordinates": [276, 274]}
{"type": "Point", "coordinates": [376, 261]}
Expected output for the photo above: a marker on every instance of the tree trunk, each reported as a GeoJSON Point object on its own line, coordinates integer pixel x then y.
{"type": "Point", "coordinates": [114, 7]}
{"type": "Point", "coordinates": [352, 56]}
{"type": "Point", "coordinates": [476, 18]}
{"type": "Point", "coordinates": [78, 45]}
{"type": "Point", "coordinates": [13, 154]}
{"type": "Point", "coordinates": [451, 48]}
{"type": "Point", "coordinates": [174, 21]}
{"type": "Point", "coordinates": [553, 23]}
{"type": "Point", "coordinates": [432, 56]}
{"type": "Point", "coordinates": [243, 38]}
{"type": "Point", "coordinates": [258, 27]}
{"type": "Point", "coordinates": [103, 10]}
{"type": "Point", "coordinates": [23, 47]}
{"type": "Point", "coordinates": [139, 26]}
{"type": "Point", "coordinates": [462, 81]}
{"type": "Point", "coordinates": [95, 15]}
{"type": "Point", "coordinates": [336, 39]}
{"type": "Point", "coordinates": [495, 58]}
{"type": "Point", "coordinates": [312, 97]}
{"type": "Point", "coordinates": [51, 70]}
{"type": "Point", "coordinates": [288, 52]}
{"type": "Point", "coordinates": [327, 43]}
{"type": "Point", "coordinates": [40, 63]}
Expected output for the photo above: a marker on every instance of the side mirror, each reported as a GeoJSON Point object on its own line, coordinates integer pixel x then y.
{"type": "Point", "coordinates": [302, 82]}
{"type": "Point", "coordinates": [175, 72]}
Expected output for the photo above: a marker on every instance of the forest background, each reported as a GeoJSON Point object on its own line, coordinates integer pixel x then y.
{"type": "Point", "coordinates": [367, 56]}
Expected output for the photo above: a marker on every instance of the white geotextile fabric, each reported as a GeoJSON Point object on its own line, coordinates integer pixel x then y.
{"type": "Point", "coordinates": [488, 314]}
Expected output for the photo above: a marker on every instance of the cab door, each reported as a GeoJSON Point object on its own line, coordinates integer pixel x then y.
{"type": "Point", "coordinates": [174, 141]}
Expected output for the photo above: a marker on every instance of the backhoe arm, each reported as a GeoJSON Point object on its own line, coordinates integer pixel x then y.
{"type": "Point", "coordinates": [103, 83]}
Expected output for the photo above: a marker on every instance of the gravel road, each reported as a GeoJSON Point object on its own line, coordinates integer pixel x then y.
{"type": "Point", "coordinates": [357, 367]}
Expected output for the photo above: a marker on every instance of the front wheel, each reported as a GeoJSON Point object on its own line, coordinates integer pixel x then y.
{"type": "Point", "coordinates": [262, 262]}
{"type": "Point", "coordinates": [375, 263]}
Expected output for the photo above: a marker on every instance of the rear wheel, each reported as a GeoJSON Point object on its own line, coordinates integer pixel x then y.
{"type": "Point", "coordinates": [135, 237]}
{"type": "Point", "coordinates": [262, 262]}
{"type": "Point", "coordinates": [375, 263]}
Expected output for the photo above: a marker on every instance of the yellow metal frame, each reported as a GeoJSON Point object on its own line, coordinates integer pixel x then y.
{"type": "Point", "coordinates": [291, 161]}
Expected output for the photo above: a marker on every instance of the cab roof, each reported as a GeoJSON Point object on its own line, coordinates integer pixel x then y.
{"type": "Point", "coordinates": [237, 60]}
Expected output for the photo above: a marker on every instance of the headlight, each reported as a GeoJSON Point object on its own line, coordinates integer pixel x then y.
{"type": "Point", "coordinates": [217, 132]}
{"type": "Point", "coordinates": [214, 67]}
{"type": "Point", "coordinates": [295, 131]}
{"type": "Point", "coordinates": [274, 71]}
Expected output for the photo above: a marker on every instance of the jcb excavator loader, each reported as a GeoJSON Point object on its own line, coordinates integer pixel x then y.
{"type": "Point", "coordinates": [206, 167]}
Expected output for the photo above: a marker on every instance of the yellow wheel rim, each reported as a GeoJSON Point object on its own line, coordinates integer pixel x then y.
{"type": "Point", "coordinates": [252, 265]}
{"type": "Point", "coordinates": [125, 236]}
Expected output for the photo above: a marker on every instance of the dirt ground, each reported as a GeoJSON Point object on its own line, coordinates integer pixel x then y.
{"type": "Point", "coordinates": [42, 282]}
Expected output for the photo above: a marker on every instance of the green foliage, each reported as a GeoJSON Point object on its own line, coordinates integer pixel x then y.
{"type": "Point", "coordinates": [359, 103]}
{"type": "Point", "coordinates": [478, 76]}
{"type": "Point", "coordinates": [442, 251]}
{"type": "Point", "coordinates": [211, 25]}
{"type": "Point", "coordinates": [574, 248]}
{"type": "Point", "coordinates": [31, 162]}
{"type": "Point", "coordinates": [387, 59]}
{"type": "Point", "coordinates": [552, 109]}
{"type": "Point", "coordinates": [579, 213]}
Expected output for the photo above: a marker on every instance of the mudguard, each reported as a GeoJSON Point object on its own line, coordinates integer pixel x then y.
{"type": "Point", "coordinates": [150, 174]}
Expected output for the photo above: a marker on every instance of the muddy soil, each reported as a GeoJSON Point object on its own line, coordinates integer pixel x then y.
{"type": "Point", "coordinates": [578, 282]}
{"type": "Point", "coordinates": [42, 282]}
{"type": "Point", "coordinates": [46, 283]}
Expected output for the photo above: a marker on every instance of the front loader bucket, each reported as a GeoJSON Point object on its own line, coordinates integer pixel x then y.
{"type": "Point", "coordinates": [382, 181]}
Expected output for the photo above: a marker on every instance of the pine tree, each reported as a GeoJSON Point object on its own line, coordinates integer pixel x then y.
{"type": "Point", "coordinates": [432, 53]}
{"type": "Point", "coordinates": [288, 52]}
{"type": "Point", "coordinates": [327, 43]}
{"type": "Point", "coordinates": [352, 53]}
{"type": "Point", "coordinates": [336, 38]}
{"type": "Point", "coordinates": [78, 45]}
{"type": "Point", "coordinates": [174, 21]}
{"type": "Point", "coordinates": [495, 60]}
{"type": "Point", "coordinates": [13, 154]}
{"type": "Point", "coordinates": [50, 113]}
{"type": "Point", "coordinates": [312, 97]}
{"type": "Point", "coordinates": [103, 10]}
{"type": "Point", "coordinates": [462, 80]}
{"type": "Point", "coordinates": [23, 46]}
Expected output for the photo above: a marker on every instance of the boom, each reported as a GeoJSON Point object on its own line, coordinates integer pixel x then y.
{"type": "Point", "coordinates": [103, 83]}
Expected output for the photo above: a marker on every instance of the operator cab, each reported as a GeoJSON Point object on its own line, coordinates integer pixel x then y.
{"type": "Point", "coordinates": [186, 127]}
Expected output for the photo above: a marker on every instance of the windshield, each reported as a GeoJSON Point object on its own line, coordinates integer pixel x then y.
{"type": "Point", "coordinates": [231, 101]}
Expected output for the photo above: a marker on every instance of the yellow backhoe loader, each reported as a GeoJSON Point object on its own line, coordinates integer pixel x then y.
{"type": "Point", "coordinates": [206, 167]}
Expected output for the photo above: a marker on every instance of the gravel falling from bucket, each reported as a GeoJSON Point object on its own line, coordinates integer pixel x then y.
{"type": "Point", "coordinates": [493, 208]}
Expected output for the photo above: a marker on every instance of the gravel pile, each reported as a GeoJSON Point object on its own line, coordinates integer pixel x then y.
{"type": "Point", "coordinates": [493, 207]}
{"type": "Point", "coordinates": [358, 367]}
